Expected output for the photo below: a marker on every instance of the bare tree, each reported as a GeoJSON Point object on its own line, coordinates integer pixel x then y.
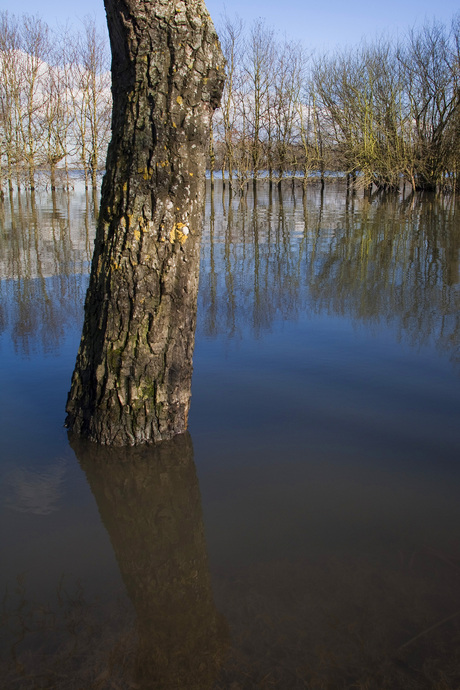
{"type": "Point", "coordinates": [331, 79]}
{"type": "Point", "coordinates": [259, 68]}
{"type": "Point", "coordinates": [451, 142]}
{"type": "Point", "coordinates": [95, 59]}
{"type": "Point", "coordinates": [91, 99]}
{"type": "Point", "coordinates": [285, 109]}
{"type": "Point", "coordinates": [362, 105]}
{"type": "Point", "coordinates": [31, 97]}
{"type": "Point", "coordinates": [382, 112]}
{"type": "Point", "coordinates": [231, 34]}
{"type": "Point", "coordinates": [431, 68]}
{"type": "Point", "coordinates": [65, 120]}
{"type": "Point", "coordinates": [56, 117]}
{"type": "Point", "coordinates": [310, 133]}
{"type": "Point", "coordinates": [10, 44]}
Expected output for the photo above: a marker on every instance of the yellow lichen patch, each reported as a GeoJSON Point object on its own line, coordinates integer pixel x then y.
{"type": "Point", "coordinates": [172, 234]}
{"type": "Point", "coordinates": [191, 174]}
{"type": "Point", "coordinates": [144, 172]}
{"type": "Point", "coordinates": [179, 232]}
{"type": "Point", "coordinates": [179, 100]}
{"type": "Point", "coordinates": [182, 235]}
{"type": "Point", "coordinates": [125, 187]}
{"type": "Point", "coordinates": [137, 234]}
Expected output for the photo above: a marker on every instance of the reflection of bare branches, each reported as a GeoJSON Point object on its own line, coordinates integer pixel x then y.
{"type": "Point", "coordinates": [44, 261]}
{"type": "Point", "coordinates": [374, 261]}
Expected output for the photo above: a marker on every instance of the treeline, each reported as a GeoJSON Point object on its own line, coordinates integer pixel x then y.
{"type": "Point", "coordinates": [382, 113]}
{"type": "Point", "coordinates": [55, 101]}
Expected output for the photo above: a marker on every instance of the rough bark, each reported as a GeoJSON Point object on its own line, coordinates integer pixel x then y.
{"type": "Point", "coordinates": [149, 501]}
{"type": "Point", "coordinates": [132, 378]}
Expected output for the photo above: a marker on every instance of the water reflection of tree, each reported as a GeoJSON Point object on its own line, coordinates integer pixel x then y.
{"type": "Point", "coordinates": [394, 262]}
{"type": "Point", "coordinates": [149, 501]}
{"type": "Point", "coordinates": [45, 254]}
{"type": "Point", "coordinates": [150, 504]}
{"type": "Point", "coordinates": [373, 260]}
{"type": "Point", "coordinates": [379, 260]}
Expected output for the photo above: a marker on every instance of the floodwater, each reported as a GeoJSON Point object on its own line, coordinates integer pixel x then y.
{"type": "Point", "coordinates": [305, 533]}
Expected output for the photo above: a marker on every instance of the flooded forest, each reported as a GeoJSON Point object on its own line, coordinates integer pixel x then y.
{"type": "Point", "coordinates": [383, 113]}
{"type": "Point", "coordinates": [304, 531]}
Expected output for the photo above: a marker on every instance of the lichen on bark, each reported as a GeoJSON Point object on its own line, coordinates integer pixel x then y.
{"type": "Point", "coordinates": [132, 378]}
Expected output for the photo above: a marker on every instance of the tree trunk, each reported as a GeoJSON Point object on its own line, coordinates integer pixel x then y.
{"type": "Point", "coordinates": [132, 378]}
{"type": "Point", "coordinates": [212, 156]}
{"type": "Point", "coordinates": [53, 176]}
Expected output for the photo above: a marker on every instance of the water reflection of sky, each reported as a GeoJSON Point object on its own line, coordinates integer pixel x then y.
{"type": "Point", "coordinates": [324, 427]}
{"type": "Point", "coordinates": [29, 491]}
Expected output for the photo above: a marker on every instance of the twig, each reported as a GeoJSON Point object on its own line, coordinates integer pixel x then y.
{"type": "Point", "coordinates": [428, 630]}
{"type": "Point", "coordinates": [443, 558]}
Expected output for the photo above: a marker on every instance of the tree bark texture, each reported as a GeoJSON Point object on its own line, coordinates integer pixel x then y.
{"type": "Point", "coordinates": [132, 378]}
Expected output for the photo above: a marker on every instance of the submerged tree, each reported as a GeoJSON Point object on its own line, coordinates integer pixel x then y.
{"type": "Point", "coordinates": [132, 378]}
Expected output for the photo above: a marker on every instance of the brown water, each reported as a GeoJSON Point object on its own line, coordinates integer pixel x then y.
{"type": "Point", "coordinates": [306, 533]}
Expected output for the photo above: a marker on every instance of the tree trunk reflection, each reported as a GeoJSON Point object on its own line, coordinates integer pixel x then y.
{"type": "Point", "coordinates": [149, 502]}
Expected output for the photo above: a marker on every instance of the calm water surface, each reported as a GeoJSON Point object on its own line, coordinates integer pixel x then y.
{"type": "Point", "coordinates": [306, 532]}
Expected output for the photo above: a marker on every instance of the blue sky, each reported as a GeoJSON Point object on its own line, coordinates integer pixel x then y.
{"type": "Point", "coordinates": [320, 25]}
